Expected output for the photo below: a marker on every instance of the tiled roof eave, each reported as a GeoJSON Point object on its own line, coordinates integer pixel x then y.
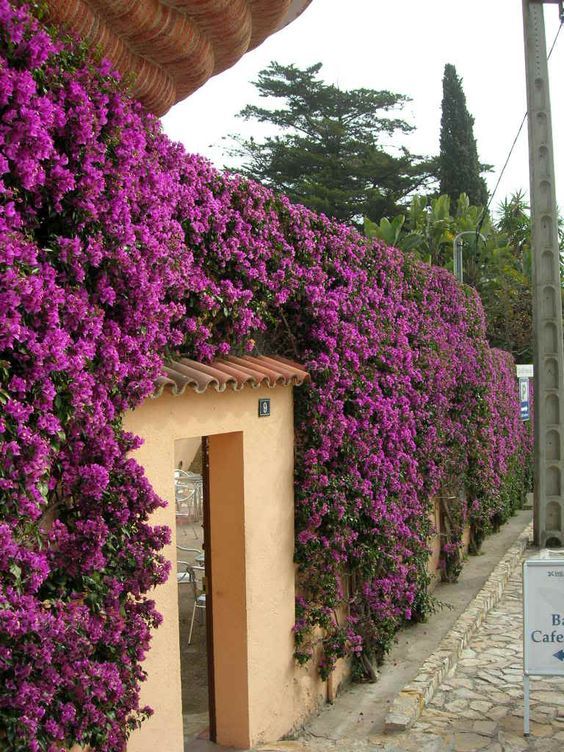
{"type": "Point", "coordinates": [169, 48]}
{"type": "Point", "coordinates": [183, 374]}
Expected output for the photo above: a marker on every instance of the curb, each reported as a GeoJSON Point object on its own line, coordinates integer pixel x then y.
{"type": "Point", "coordinates": [408, 705]}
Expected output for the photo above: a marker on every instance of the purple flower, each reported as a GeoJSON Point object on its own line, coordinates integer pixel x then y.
{"type": "Point", "coordinates": [116, 249]}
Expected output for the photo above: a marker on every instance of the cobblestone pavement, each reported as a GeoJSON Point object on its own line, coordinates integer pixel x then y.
{"type": "Point", "coordinates": [478, 708]}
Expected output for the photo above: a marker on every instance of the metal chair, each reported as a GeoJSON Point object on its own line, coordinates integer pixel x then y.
{"type": "Point", "coordinates": [200, 557]}
{"type": "Point", "coordinates": [184, 573]}
{"type": "Point", "coordinates": [198, 583]}
{"type": "Point", "coordinates": [189, 497]}
{"type": "Point", "coordinates": [192, 573]}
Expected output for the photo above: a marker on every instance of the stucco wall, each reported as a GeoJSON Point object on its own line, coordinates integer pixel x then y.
{"type": "Point", "coordinates": [280, 695]}
{"type": "Point", "coordinates": [162, 689]}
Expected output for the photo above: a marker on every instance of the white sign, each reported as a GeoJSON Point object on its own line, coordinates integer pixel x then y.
{"type": "Point", "coordinates": [543, 604]}
{"type": "Point", "coordinates": [525, 371]}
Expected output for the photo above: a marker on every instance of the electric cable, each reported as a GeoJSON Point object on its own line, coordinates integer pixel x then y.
{"type": "Point", "coordinates": [512, 149]}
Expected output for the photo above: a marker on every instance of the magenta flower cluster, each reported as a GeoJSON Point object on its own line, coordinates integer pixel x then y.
{"type": "Point", "coordinates": [117, 249]}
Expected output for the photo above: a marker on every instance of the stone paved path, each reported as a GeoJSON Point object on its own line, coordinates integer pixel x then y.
{"type": "Point", "coordinates": [479, 708]}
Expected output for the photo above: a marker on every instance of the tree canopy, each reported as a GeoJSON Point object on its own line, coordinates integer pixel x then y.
{"type": "Point", "coordinates": [328, 152]}
{"type": "Point", "coordinates": [458, 164]}
{"type": "Point", "coordinates": [499, 268]}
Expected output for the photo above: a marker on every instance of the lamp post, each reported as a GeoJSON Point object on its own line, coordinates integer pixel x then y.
{"type": "Point", "coordinates": [457, 245]}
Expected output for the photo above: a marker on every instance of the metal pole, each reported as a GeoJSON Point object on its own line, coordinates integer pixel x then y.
{"type": "Point", "coordinates": [457, 247]}
{"type": "Point", "coordinates": [460, 260]}
{"type": "Point", "coordinates": [527, 710]}
{"type": "Point", "coordinates": [547, 302]}
{"type": "Point", "coordinates": [457, 258]}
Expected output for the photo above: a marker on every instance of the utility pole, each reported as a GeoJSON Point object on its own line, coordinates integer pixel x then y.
{"type": "Point", "coordinates": [547, 300]}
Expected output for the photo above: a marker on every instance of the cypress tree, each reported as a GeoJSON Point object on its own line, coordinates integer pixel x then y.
{"type": "Point", "coordinates": [459, 166]}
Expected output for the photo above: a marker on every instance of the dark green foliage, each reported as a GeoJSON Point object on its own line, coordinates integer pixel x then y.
{"type": "Point", "coordinates": [499, 267]}
{"type": "Point", "coordinates": [459, 167]}
{"type": "Point", "coordinates": [328, 153]}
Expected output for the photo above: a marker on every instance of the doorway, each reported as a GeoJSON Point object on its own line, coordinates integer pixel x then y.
{"type": "Point", "coordinates": [191, 492]}
{"type": "Point", "coordinates": [210, 532]}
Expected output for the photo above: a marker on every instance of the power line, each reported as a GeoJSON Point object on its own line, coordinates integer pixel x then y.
{"type": "Point", "coordinates": [556, 37]}
{"type": "Point", "coordinates": [501, 174]}
{"type": "Point", "coordinates": [512, 149]}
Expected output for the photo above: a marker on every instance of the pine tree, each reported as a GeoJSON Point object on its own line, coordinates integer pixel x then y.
{"type": "Point", "coordinates": [327, 151]}
{"type": "Point", "coordinates": [459, 167]}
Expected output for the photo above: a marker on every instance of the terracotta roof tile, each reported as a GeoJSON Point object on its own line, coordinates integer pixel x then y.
{"type": "Point", "coordinates": [171, 47]}
{"type": "Point", "coordinates": [231, 372]}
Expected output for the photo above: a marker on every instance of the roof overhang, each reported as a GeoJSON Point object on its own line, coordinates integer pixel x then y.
{"type": "Point", "coordinates": [169, 48]}
{"type": "Point", "coordinates": [295, 9]}
{"type": "Point", "coordinates": [229, 373]}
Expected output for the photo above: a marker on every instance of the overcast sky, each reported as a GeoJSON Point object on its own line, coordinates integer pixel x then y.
{"type": "Point", "coordinates": [401, 46]}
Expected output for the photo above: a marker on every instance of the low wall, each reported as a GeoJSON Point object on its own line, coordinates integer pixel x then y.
{"type": "Point", "coordinates": [253, 570]}
{"type": "Point", "coordinates": [254, 652]}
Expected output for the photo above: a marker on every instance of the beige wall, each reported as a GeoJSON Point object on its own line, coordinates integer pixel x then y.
{"type": "Point", "coordinates": [162, 689]}
{"type": "Point", "coordinates": [254, 542]}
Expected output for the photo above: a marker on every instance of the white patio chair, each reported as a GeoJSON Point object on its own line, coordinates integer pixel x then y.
{"type": "Point", "coordinates": [188, 496]}
{"type": "Point", "coordinates": [200, 555]}
{"type": "Point", "coordinates": [197, 573]}
{"type": "Point", "coordinates": [184, 573]}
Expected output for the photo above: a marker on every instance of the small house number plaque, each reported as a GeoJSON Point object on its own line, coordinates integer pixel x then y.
{"type": "Point", "coordinates": [264, 408]}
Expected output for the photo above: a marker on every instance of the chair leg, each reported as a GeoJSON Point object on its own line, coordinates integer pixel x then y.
{"type": "Point", "coordinates": [192, 624]}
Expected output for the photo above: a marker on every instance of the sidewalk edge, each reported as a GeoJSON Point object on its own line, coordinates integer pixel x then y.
{"type": "Point", "coordinates": [409, 703]}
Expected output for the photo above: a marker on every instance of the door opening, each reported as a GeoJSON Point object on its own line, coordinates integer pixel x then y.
{"type": "Point", "coordinates": [191, 487]}
{"type": "Point", "coordinates": [212, 595]}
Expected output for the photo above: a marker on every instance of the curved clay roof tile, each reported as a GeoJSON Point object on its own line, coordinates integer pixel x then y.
{"type": "Point", "coordinates": [234, 372]}
{"type": "Point", "coordinates": [163, 37]}
{"type": "Point", "coordinates": [239, 377]}
{"type": "Point", "coordinates": [198, 376]}
{"type": "Point", "coordinates": [260, 370]}
{"type": "Point", "coordinates": [171, 47]}
{"type": "Point", "coordinates": [283, 367]}
{"type": "Point", "coordinates": [268, 17]}
{"type": "Point", "coordinates": [226, 23]}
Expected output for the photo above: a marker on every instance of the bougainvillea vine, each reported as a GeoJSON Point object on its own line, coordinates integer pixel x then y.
{"type": "Point", "coordinates": [118, 249]}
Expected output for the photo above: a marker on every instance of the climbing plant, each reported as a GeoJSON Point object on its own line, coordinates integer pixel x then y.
{"type": "Point", "coordinates": [118, 249]}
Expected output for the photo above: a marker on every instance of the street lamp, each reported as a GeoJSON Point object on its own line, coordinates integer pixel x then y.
{"type": "Point", "coordinates": [457, 246]}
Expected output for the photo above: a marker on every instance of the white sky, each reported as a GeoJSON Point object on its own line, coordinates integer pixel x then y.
{"type": "Point", "coordinates": [402, 46]}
